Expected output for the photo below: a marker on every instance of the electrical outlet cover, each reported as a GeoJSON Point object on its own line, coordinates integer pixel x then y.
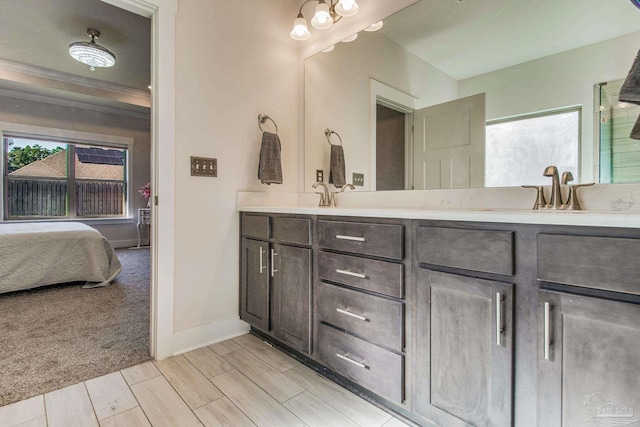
{"type": "Point", "coordinates": [319, 175]}
{"type": "Point", "coordinates": [358, 179]}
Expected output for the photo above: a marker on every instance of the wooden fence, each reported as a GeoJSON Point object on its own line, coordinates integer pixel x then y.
{"type": "Point", "coordinates": [32, 197]}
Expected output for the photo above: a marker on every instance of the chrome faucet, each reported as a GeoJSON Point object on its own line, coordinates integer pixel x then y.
{"type": "Point", "coordinates": [556, 195]}
{"type": "Point", "coordinates": [332, 201]}
{"type": "Point", "coordinates": [325, 199]}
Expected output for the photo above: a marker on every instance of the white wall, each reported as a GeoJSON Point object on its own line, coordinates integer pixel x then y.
{"type": "Point", "coordinates": [234, 60]}
{"type": "Point", "coordinates": [337, 96]}
{"type": "Point", "coordinates": [561, 80]}
{"type": "Point", "coordinates": [28, 112]}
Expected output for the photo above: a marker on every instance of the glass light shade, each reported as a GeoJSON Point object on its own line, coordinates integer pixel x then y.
{"type": "Point", "coordinates": [300, 30]}
{"type": "Point", "coordinates": [350, 38]}
{"type": "Point", "coordinates": [329, 49]}
{"type": "Point", "coordinates": [375, 27]}
{"type": "Point", "coordinates": [347, 8]}
{"type": "Point", "coordinates": [92, 54]}
{"type": "Point", "coordinates": [322, 19]}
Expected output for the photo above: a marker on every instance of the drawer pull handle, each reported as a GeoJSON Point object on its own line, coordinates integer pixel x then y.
{"type": "Point", "coordinates": [547, 331]}
{"type": "Point", "coordinates": [351, 273]}
{"type": "Point", "coordinates": [348, 313]}
{"type": "Point", "coordinates": [350, 360]}
{"type": "Point", "coordinates": [352, 238]}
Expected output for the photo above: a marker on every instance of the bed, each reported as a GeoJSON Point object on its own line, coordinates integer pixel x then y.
{"type": "Point", "coordinates": [39, 254]}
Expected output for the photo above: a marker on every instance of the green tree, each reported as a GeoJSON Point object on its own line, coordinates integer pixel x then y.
{"type": "Point", "coordinates": [22, 156]}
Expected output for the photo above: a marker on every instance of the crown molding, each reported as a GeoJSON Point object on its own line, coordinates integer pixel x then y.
{"type": "Point", "coordinates": [73, 104]}
{"type": "Point", "coordinates": [74, 80]}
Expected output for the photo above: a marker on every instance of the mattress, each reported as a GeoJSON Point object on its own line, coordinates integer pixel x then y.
{"type": "Point", "coordinates": [39, 254]}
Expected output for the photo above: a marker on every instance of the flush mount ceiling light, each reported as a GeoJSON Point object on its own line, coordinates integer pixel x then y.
{"type": "Point", "coordinates": [325, 15]}
{"type": "Point", "coordinates": [92, 54]}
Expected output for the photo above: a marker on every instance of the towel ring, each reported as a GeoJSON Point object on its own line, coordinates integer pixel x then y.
{"type": "Point", "coordinates": [329, 132]}
{"type": "Point", "coordinates": [262, 118]}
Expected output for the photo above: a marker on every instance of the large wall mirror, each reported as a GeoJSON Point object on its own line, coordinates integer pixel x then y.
{"type": "Point", "coordinates": [468, 93]}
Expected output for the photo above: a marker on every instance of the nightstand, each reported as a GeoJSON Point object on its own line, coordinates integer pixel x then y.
{"type": "Point", "coordinates": [144, 218]}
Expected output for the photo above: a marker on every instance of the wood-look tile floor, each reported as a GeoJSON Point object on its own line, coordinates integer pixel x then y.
{"type": "Point", "coordinates": [237, 383]}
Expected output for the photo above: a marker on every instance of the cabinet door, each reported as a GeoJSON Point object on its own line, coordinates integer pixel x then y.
{"type": "Point", "coordinates": [463, 353]}
{"type": "Point", "coordinates": [254, 289]}
{"type": "Point", "coordinates": [291, 281]}
{"type": "Point", "coordinates": [588, 361]}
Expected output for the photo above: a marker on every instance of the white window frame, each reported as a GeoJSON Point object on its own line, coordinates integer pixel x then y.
{"type": "Point", "coordinates": [77, 137]}
{"type": "Point", "coordinates": [546, 113]}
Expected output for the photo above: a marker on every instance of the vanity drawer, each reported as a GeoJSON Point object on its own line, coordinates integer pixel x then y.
{"type": "Point", "coordinates": [376, 276]}
{"type": "Point", "coordinates": [594, 262]}
{"type": "Point", "coordinates": [255, 226]}
{"type": "Point", "coordinates": [372, 367]}
{"type": "Point", "coordinates": [292, 230]}
{"type": "Point", "coordinates": [477, 250]}
{"type": "Point", "coordinates": [375, 319]}
{"type": "Point", "coordinates": [381, 240]}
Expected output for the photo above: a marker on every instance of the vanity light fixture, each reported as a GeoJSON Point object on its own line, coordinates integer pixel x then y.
{"type": "Point", "coordinates": [377, 26]}
{"type": "Point", "coordinates": [329, 49]}
{"type": "Point", "coordinates": [350, 38]}
{"type": "Point", "coordinates": [92, 54]}
{"type": "Point", "coordinates": [325, 15]}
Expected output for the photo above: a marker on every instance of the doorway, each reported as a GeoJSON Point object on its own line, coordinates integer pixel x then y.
{"type": "Point", "coordinates": [390, 148]}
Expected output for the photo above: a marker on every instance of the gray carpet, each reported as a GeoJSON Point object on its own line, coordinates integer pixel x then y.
{"type": "Point", "coordinates": [56, 336]}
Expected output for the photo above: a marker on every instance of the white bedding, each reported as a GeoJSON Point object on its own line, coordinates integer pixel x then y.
{"type": "Point", "coordinates": [38, 254]}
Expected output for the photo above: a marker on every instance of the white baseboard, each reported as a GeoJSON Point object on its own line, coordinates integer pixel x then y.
{"type": "Point", "coordinates": [128, 243]}
{"type": "Point", "coordinates": [201, 336]}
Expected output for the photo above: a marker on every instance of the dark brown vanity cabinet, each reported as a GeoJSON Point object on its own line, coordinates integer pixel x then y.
{"type": "Point", "coordinates": [588, 361]}
{"type": "Point", "coordinates": [588, 345]}
{"type": "Point", "coordinates": [275, 280]}
{"type": "Point", "coordinates": [463, 355]}
{"type": "Point", "coordinates": [359, 305]}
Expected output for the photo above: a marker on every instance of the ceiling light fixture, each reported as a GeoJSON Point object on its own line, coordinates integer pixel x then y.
{"type": "Point", "coordinates": [92, 54]}
{"type": "Point", "coordinates": [325, 15]}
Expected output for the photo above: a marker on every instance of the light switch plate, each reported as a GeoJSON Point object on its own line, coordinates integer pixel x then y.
{"type": "Point", "coordinates": [204, 166]}
{"type": "Point", "coordinates": [319, 175]}
{"type": "Point", "coordinates": [358, 179]}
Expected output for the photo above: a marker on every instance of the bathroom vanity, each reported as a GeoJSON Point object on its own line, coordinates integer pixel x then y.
{"type": "Point", "coordinates": [511, 321]}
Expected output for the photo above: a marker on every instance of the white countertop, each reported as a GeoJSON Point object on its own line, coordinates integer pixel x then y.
{"type": "Point", "coordinates": [551, 217]}
{"type": "Point", "coordinates": [606, 206]}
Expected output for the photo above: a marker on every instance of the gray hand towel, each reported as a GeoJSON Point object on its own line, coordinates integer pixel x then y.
{"type": "Point", "coordinates": [337, 167]}
{"type": "Point", "coordinates": [635, 132]}
{"type": "Point", "coordinates": [630, 90]}
{"type": "Point", "coordinates": [270, 166]}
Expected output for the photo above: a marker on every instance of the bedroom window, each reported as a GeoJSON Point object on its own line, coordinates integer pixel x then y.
{"type": "Point", "coordinates": [50, 178]}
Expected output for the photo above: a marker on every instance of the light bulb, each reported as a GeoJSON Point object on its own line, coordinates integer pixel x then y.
{"type": "Point", "coordinates": [322, 19]}
{"type": "Point", "coordinates": [375, 27]}
{"type": "Point", "coordinates": [300, 30]}
{"type": "Point", "coordinates": [350, 38]}
{"type": "Point", "coordinates": [347, 8]}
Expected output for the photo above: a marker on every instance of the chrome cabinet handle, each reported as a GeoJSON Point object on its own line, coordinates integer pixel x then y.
{"type": "Point", "coordinates": [350, 360]}
{"type": "Point", "coordinates": [351, 273]}
{"type": "Point", "coordinates": [262, 266]}
{"type": "Point", "coordinates": [499, 328]}
{"type": "Point", "coordinates": [547, 331]}
{"type": "Point", "coordinates": [352, 238]}
{"type": "Point", "coordinates": [348, 313]}
{"type": "Point", "coordinates": [273, 254]}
